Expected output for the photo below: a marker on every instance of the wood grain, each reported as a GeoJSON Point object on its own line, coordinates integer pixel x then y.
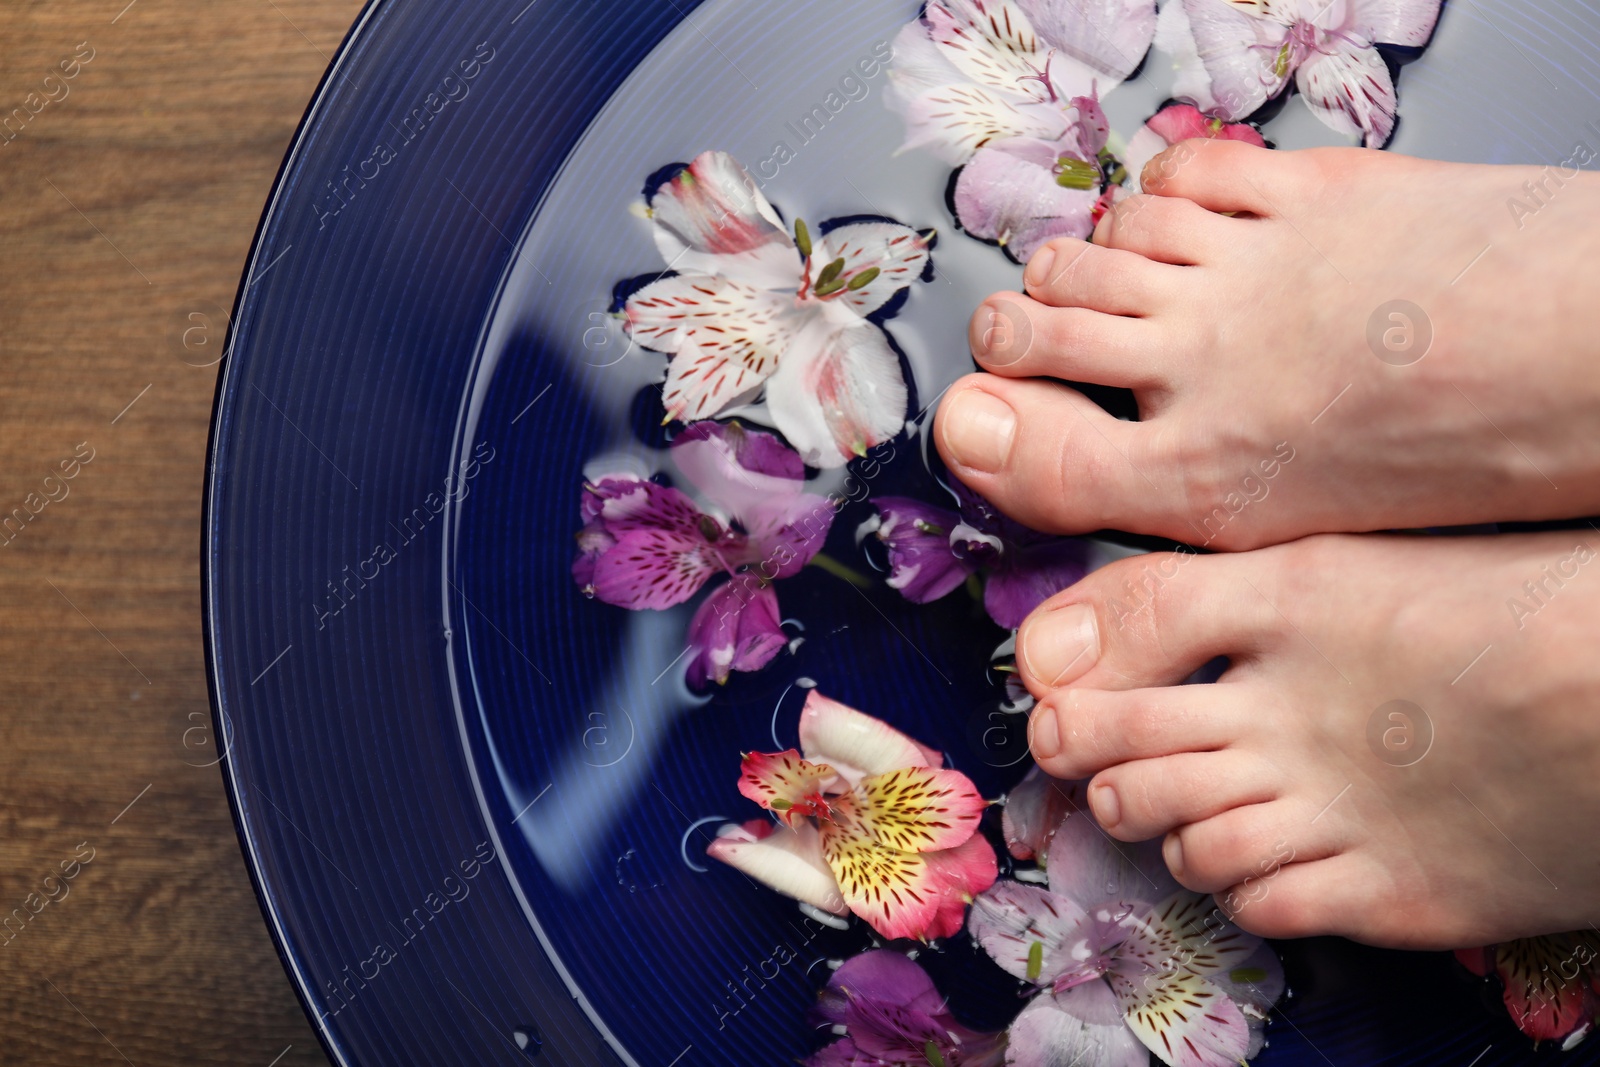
{"type": "Point", "coordinates": [127, 204]}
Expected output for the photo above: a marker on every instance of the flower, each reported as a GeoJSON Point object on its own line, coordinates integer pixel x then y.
{"type": "Point", "coordinates": [645, 545]}
{"type": "Point", "coordinates": [890, 1013]}
{"type": "Point", "coordinates": [1552, 983]}
{"type": "Point", "coordinates": [932, 550]}
{"type": "Point", "coordinates": [869, 821]}
{"type": "Point", "coordinates": [751, 306]}
{"type": "Point", "coordinates": [1235, 55]}
{"type": "Point", "coordinates": [1035, 810]}
{"type": "Point", "coordinates": [1010, 91]}
{"type": "Point", "coordinates": [1125, 961]}
{"type": "Point", "coordinates": [1175, 123]}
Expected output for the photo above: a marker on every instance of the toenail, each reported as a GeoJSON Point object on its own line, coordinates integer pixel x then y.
{"type": "Point", "coordinates": [1107, 808]}
{"type": "Point", "coordinates": [1044, 734]}
{"type": "Point", "coordinates": [1172, 852]}
{"type": "Point", "coordinates": [978, 430]}
{"type": "Point", "coordinates": [1003, 333]}
{"type": "Point", "coordinates": [1038, 272]}
{"type": "Point", "coordinates": [1060, 646]}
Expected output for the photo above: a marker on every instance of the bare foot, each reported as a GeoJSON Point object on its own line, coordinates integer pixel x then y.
{"type": "Point", "coordinates": [1270, 357]}
{"type": "Point", "coordinates": [1404, 751]}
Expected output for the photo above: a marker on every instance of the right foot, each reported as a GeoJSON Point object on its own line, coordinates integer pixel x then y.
{"type": "Point", "coordinates": [1246, 342]}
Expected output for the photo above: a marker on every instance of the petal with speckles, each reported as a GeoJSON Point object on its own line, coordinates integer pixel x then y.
{"type": "Point", "coordinates": [725, 339]}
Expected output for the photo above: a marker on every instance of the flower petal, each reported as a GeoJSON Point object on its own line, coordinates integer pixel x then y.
{"type": "Point", "coordinates": [880, 975]}
{"type": "Point", "coordinates": [991, 42]}
{"type": "Point", "coordinates": [710, 218]}
{"type": "Point", "coordinates": [1408, 23]}
{"type": "Point", "coordinates": [1160, 977]}
{"type": "Point", "coordinates": [782, 782]}
{"type": "Point", "coordinates": [1543, 1002]}
{"type": "Point", "coordinates": [948, 114]}
{"type": "Point", "coordinates": [1110, 37]}
{"type": "Point", "coordinates": [1090, 868]}
{"type": "Point", "coordinates": [1028, 576]}
{"type": "Point", "coordinates": [853, 743]}
{"type": "Point", "coordinates": [1183, 1019]}
{"type": "Point", "coordinates": [1047, 1035]}
{"type": "Point", "coordinates": [1227, 58]}
{"type": "Point", "coordinates": [919, 809]}
{"type": "Point", "coordinates": [736, 629]}
{"type": "Point", "coordinates": [893, 891]}
{"type": "Point", "coordinates": [917, 537]}
{"type": "Point", "coordinates": [897, 253]}
{"type": "Point", "coordinates": [838, 392]}
{"type": "Point", "coordinates": [960, 874]}
{"type": "Point", "coordinates": [788, 860]}
{"type": "Point", "coordinates": [1008, 193]}
{"type": "Point", "coordinates": [1350, 91]}
{"type": "Point", "coordinates": [1035, 809]}
{"type": "Point", "coordinates": [1255, 983]}
{"type": "Point", "coordinates": [724, 338]}
{"type": "Point", "coordinates": [1012, 917]}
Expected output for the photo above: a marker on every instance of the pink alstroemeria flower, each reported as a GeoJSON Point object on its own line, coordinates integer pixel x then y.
{"type": "Point", "coordinates": [645, 545]}
{"type": "Point", "coordinates": [1010, 90]}
{"type": "Point", "coordinates": [933, 550]}
{"type": "Point", "coordinates": [869, 821]}
{"type": "Point", "coordinates": [1235, 55]}
{"type": "Point", "coordinates": [1175, 123]}
{"type": "Point", "coordinates": [889, 1012]}
{"type": "Point", "coordinates": [1126, 962]}
{"type": "Point", "coordinates": [751, 306]}
{"type": "Point", "coordinates": [1552, 983]}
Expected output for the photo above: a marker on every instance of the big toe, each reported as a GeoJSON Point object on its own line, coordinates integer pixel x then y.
{"type": "Point", "coordinates": [1052, 459]}
{"type": "Point", "coordinates": [1149, 620]}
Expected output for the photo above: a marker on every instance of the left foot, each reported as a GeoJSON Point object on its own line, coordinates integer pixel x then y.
{"type": "Point", "coordinates": [1296, 788]}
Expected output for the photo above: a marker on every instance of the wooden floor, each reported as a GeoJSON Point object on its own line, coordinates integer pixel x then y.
{"type": "Point", "coordinates": [141, 145]}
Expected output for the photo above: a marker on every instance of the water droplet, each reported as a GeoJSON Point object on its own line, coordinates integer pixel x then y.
{"type": "Point", "coordinates": [806, 683]}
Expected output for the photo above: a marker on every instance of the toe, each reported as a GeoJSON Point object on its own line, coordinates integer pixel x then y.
{"type": "Point", "coordinates": [1247, 844]}
{"type": "Point", "coordinates": [1150, 620]}
{"type": "Point", "coordinates": [1019, 337]}
{"type": "Point", "coordinates": [1089, 730]}
{"type": "Point", "coordinates": [1068, 272]}
{"type": "Point", "coordinates": [1048, 456]}
{"type": "Point", "coordinates": [1144, 799]}
{"type": "Point", "coordinates": [1223, 175]}
{"type": "Point", "coordinates": [1338, 896]}
{"type": "Point", "coordinates": [1166, 229]}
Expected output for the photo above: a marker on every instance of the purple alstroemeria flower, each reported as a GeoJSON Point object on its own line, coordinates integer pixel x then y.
{"type": "Point", "coordinates": [1010, 91]}
{"type": "Point", "coordinates": [1235, 55]}
{"type": "Point", "coordinates": [1126, 961]}
{"type": "Point", "coordinates": [645, 545]}
{"type": "Point", "coordinates": [888, 1011]}
{"type": "Point", "coordinates": [932, 550]}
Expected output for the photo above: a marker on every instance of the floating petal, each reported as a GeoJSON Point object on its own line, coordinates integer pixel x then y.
{"type": "Point", "coordinates": [917, 536]}
{"type": "Point", "coordinates": [1408, 23]}
{"type": "Point", "coordinates": [788, 860]}
{"type": "Point", "coordinates": [1008, 193]}
{"type": "Point", "coordinates": [890, 255]}
{"type": "Point", "coordinates": [725, 339]}
{"type": "Point", "coordinates": [784, 783]}
{"type": "Point", "coordinates": [736, 629]}
{"type": "Point", "coordinates": [919, 809]}
{"type": "Point", "coordinates": [1028, 576]}
{"type": "Point", "coordinates": [1350, 91]}
{"type": "Point", "coordinates": [838, 392]}
{"type": "Point", "coordinates": [853, 743]}
{"type": "Point", "coordinates": [1109, 37]}
{"type": "Point", "coordinates": [1046, 1034]}
{"type": "Point", "coordinates": [1035, 809]}
{"type": "Point", "coordinates": [1090, 868]}
{"type": "Point", "coordinates": [1012, 918]}
{"type": "Point", "coordinates": [710, 218]}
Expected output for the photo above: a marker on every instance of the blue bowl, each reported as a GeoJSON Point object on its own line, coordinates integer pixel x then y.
{"type": "Point", "coordinates": [475, 804]}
